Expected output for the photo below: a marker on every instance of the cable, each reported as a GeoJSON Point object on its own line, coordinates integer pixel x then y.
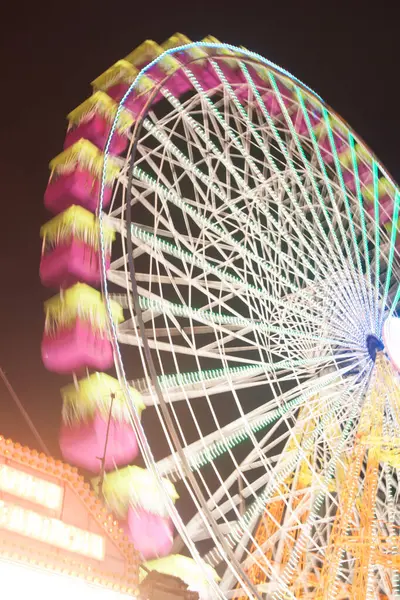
{"type": "Point", "coordinates": [23, 412]}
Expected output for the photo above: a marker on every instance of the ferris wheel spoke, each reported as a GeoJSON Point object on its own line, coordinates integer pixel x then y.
{"type": "Point", "coordinates": [289, 269]}
{"type": "Point", "coordinates": [207, 448]}
{"type": "Point", "coordinates": [327, 180]}
{"type": "Point", "coordinates": [302, 332]}
{"type": "Point", "coordinates": [248, 192]}
{"type": "Point", "coordinates": [243, 252]}
{"type": "Point", "coordinates": [231, 322]}
{"type": "Point", "coordinates": [165, 247]}
{"type": "Point", "coordinates": [284, 366]}
{"type": "Point", "coordinates": [229, 88]}
{"type": "Point", "coordinates": [288, 190]}
{"type": "Point", "coordinates": [261, 501]}
{"type": "Point", "coordinates": [333, 199]}
{"type": "Point", "coordinates": [305, 162]}
{"type": "Point", "coordinates": [287, 471]}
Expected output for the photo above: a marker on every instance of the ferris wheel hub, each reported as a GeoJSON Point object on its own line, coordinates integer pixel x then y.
{"type": "Point", "coordinates": [374, 345]}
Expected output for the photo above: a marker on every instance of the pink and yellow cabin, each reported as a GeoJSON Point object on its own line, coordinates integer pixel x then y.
{"type": "Point", "coordinates": [134, 495]}
{"type": "Point", "coordinates": [92, 406]}
{"type": "Point", "coordinates": [76, 331]}
{"type": "Point", "coordinates": [71, 249]}
{"type": "Point", "coordinates": [75, 178]}
{"type": "Point", "coordinates": [92, 120]}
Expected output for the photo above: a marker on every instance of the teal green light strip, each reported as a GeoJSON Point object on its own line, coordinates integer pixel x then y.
{"type": "Point", "coordinates": [346, 201]}
{"type": "Point", "coordinates": [377, 244]}
{"type": "Point", "coordinates": [395, 302]}
{"type": "Point", "coordinates": [395, 220]}
{"type": "Point", "coordinates": [164, 246]}
{"type": "Point", "coordinates": [362, 217]}
{"type": "Point", "coordinates": [328, 184]}
{"type": "Point", "coordinates": [220, 447]}
{"type": "Point", "coordinates": [191, 377]}
{"type": "Point", "coordinates": [290, 162]}
{"type": "Point", "coordinates": [282, 148]}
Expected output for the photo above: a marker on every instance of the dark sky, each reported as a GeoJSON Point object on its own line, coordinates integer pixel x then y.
{"type": "Point", "coordinates": [51, 51]}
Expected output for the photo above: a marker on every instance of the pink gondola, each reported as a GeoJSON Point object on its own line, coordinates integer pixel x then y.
{"type": "Point", "coordinates": [71, 262]}
{"type": "Point", "coordinates": [96, 423]}
{"type": "Point", "coordinates": [152, 535]}
{"type": "Point", "coordinates": [70, 251]}
{"type": "Point", "coordinates": [167, 70]}
{"type": "Point", "coordinates": [134, 495]}
{"type": "Point", "coordinates": [82, 444]}
{"type": "Point", "coordinates": [96, 130]}
{"type": "Point", "coordinates": [92, 121]}
{"type": "Point", "coordinates": [76, 179]}
{"type": "Point", "coordinates": [76, 348]}
{"type": "Point", "coordinates": [117, 81]}
{"type": "Point", "coordinates": [78, 187]}
{"type": "Point", "coordinates": [75, 336]}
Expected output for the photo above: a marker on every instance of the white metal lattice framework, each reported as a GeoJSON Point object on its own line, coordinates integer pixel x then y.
{"type": "Point", "coordinates": [258, 276]}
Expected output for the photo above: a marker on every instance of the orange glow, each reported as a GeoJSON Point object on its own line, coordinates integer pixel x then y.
{"type": "Point", "coordinates": [51, 531]}
{"type": "Point", "coordinates": [21, 484]}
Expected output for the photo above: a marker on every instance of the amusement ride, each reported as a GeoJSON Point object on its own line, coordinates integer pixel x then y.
{"type": "Point", "coordinates": [225, 254]}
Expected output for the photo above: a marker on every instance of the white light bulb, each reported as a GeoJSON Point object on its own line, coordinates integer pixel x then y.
{"type": "Point", "coordinates": [391, 339]}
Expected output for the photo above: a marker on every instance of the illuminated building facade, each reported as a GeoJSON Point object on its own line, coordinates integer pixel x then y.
{"type": "Point", "coordinates": [56, 537]}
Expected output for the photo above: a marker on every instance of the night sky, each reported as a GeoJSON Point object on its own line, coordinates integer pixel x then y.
{"type": "Point", "coordinates": [50, 53]}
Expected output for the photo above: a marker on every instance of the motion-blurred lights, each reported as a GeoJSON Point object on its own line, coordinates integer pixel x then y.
{"type": "Point", "coordinates": [391, 338]}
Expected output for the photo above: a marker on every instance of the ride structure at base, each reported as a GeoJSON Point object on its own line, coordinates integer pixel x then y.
{"type": "Point", "coordinates": [244, 243]}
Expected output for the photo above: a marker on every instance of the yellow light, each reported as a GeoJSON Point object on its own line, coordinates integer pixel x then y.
{"type": "Point", "coordinates": [51, 531]}
{"type": "Point", "coordinates": [21, 484]}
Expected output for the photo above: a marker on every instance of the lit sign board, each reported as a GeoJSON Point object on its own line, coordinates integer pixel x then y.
{"type": "Point", "coordinates": [21, 484]}
{"type": "Point", "coordinates": [51, 531]}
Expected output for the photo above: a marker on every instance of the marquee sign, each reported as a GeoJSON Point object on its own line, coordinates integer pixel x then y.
{"type": "Point", "coordinates": [35, 489]}
{"type": "Point", "coordinates": [50, 531]}
{"type": "Point", "coordinates": [52, 520]}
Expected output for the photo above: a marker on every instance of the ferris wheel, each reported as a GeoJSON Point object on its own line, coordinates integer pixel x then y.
{"type": "Point", "coordinates": [245, 242]}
